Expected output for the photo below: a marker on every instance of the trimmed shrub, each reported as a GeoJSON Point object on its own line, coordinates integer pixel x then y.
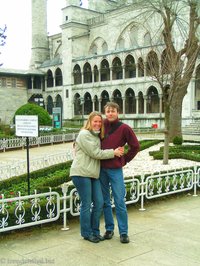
{"type": "Point", "coordinates": [34, 109]}
{"type": "Point", "coordinates": [177, 140]}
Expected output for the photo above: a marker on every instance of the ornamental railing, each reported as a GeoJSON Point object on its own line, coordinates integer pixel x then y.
{"type": "Point", "coordinates": [17, 143]}
{"type": "Point", "coordinates": [25, 211]}
{"type": "Point", "coordinates": [20, 167]}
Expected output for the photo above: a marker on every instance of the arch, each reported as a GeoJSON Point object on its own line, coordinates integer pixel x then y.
{"type": "Point", "coordinates": [96, 73]}
{"type": "Point", "coordinates": [140, 67]}
{"type": "Point", "coordinates": [147, 39]}
{"type": "Point", "coordinates": [104, 99]}
{"type": "Point", "coordinates": [140, 103]}
{"type": "Point", "coordinates": [49, 79]}
{"type": "Point", "coordinates": [134, 36]}
{"type": "Point", "coordinates": [59, 102]}
{"type": "Point", "coordinates": [87, 73]}
{"type": "Point", "coordinates": [87, 103]}
{"type": "Point", "coordinates": [165, 63]}
{"type": "Point", "coordinates": [117, 98]}
{"type": "Point", "coordinates": [93, 49]}
{"type": "Point", "coordinates": [120, 44]}
{"type": "Point", "coordinates": [96, 103]}
{"type": "Point", "coordinates": [49, 105]}
{"type": "Point", "coordinates": [77, 74]}
{"type": "Point", "coordinates": [105, 70]}
{"type": "Point", "coordinates": [58, 77]}
{"type": "Point", "coordinates": [117, 72]}
{"type": "Point", "coordinates": [104, 47]}
{"type": "Point", "coordinates": [77, 104]}
{"type": "Point", "coordinates": [130, 67]}
{"type": "Point", "coordinates": [152, 100]}
{"type": "Point", "coordinates": [96, 46]}
{"type": "Point", "coordinates": [130, 101]}
{"type": "Point", "coordinates": [152, 66]}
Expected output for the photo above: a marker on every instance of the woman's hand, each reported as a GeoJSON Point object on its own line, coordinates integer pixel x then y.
{"type": "Point", "coordinates": [119, 151]}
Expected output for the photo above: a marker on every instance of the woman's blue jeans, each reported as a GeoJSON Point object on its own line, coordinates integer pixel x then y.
{"type": "Point", "coordinates": [114, 178]}
{"type": "Point", "coordinates": [89, 190]}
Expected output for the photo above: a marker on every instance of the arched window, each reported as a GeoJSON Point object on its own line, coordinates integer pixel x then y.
{"type": "Point", "coordinates": [105, 70]}
{"type": "Point", "coordinates": [104, 99]}
{"type": "Point", "coordinates": [77, 74]}
{"type": "Point", "coordinates": [87, 73]}
{"type": "Point", "coordinates": [117, 98]}
{"type": "Point", "coordinates": [140, 103]}
{"type": "Point", "coordinates": [77, 104]}
{"type": "Point", "coordinates": [49, 79]}
{"type": "Point", "coordinates": [130, 67]}
{"type": "Point", "coordinates": [117, 72]}
{"type": "Point", "coordinates": [96, 74]}
{"type": "Point", "coordinates": [49, 105]}
{"type": "Point", "coordinates": [96, 103]}
{"type": "Point", "coordinates": [152, 100]}
{"type": "Point", "coordinates": [59, 77]}
{"type": "Point", "coordinates": [130, 101]}
{"type": "Point", "coordinates": [152, 67]}
{"type": "Point", "coordinates": [87, 103]}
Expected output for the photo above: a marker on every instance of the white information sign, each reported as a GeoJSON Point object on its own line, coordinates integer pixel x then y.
{"type": "Point", "coordinates": [26, 125]}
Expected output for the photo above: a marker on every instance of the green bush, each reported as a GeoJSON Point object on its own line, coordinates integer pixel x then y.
{"type": "Point", "coordinates": [34, 109]}
{"type": "Point", "coordinates": [178, 140]}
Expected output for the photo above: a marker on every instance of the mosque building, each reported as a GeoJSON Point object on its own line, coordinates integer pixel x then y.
{"type": "Point", "coordinates": [101, 54]}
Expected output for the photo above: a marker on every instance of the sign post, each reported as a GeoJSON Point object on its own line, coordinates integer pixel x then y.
{"type": "Point", "coordinates": [27, 126]}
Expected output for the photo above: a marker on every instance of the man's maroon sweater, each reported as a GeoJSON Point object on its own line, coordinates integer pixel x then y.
{"type": "Point", "coordinates": [121, 136]}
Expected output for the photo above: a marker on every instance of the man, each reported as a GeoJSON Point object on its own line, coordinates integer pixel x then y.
{"type": "Point", "coordinates": [117, 134]}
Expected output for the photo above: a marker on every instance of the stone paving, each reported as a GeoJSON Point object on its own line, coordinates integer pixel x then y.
{"type": "Point", "coordinates": [166, 234]}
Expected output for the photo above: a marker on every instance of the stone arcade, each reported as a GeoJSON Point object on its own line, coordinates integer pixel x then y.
{"type": "Point", "coordinates": [101, 54]}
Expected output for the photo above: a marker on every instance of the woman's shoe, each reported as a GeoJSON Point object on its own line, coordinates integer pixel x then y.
{"type": "Point", "coordinates": [101, 238]}
{"type": "Point", "coordinates": [92, 239]}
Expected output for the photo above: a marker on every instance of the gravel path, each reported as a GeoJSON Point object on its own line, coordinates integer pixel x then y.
{"type": "Point", "coordinates": [143, 163]}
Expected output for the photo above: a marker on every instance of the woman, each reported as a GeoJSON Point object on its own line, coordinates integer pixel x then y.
{"type": "Point", "coordinates": [85, 171]}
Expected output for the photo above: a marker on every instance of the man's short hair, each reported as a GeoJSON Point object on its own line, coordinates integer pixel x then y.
{"type": "Point", "coordinates": [112, 105]}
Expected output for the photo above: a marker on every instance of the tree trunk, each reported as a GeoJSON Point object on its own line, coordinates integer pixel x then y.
{"type": "Point", "coordinates": [175, 118]}
{"type": "Point", "coordinates": [167, 130]}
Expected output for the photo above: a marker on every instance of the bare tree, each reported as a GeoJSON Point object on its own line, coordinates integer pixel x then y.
{"type": "Point", "coordinates": [179, 22]}
{"type": "Point", "coordinates": [2, 37]}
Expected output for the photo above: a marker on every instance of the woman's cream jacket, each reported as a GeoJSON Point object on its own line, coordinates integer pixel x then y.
{"type": "Point", "coordinates": [88, 155]}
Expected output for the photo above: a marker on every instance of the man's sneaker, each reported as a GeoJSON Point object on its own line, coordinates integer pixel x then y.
{"type": "Point", "coordinates": [124, 238]}
{"type": "Point", "coordinates": [108, 235]}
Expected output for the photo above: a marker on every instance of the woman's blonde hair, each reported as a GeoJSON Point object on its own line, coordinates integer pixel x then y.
{"type": "Point", "coordinates": [88, 124]}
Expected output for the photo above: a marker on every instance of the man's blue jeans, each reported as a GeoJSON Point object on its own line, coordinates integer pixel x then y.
{"type": "Point", "coordinates": [89, 190]}
{"type": "Point", "coordinates": [114, 178]}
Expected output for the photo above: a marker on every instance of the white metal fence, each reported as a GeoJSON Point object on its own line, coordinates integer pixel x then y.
{"type": "Point", "coordinates": [25, 211]}
{"type": "Point", "coordinates": [20, 167]}
{"type": "Point", "coordinates": [16, 143]}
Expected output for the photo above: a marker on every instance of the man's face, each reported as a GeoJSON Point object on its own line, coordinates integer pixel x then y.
{"type": "Point", "coordinates": [111, 114]}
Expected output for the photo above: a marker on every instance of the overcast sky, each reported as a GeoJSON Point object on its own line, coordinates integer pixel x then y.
{"type": "Point", "coordinates": [16, 14]}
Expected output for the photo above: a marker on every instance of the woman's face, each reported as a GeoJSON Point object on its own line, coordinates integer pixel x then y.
{"type": "Point", "coordinates": [96, 123]}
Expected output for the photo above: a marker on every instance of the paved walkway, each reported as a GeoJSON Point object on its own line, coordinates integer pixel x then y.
{"type": "Point", "coordinates": [166, 234]}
